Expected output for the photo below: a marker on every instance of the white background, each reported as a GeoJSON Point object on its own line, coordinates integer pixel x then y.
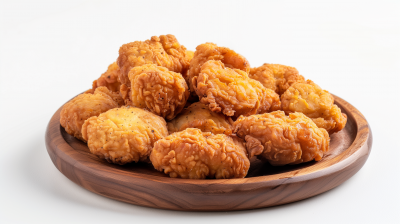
{"type": "Point", "coordinates": [51, 51]}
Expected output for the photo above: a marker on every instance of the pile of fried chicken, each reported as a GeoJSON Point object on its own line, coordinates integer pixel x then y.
{"type": "Point", "coordinates": [201, 114]}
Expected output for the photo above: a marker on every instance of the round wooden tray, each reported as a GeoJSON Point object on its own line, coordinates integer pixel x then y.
{"type": "Point", "coordinates": [264, 185]}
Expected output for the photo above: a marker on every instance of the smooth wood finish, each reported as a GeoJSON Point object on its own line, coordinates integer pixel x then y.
{"type": "Point", "coordinates": [264, 186]}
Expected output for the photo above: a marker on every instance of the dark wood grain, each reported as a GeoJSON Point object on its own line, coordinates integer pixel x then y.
{"type": "Point", "coordinates": [264, 186]}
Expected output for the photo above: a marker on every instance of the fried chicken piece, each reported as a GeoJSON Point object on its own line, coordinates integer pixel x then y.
{"type": "Point", "coordinates": [210, 51]}
{"type": "Point", "coordinates": [84, 106]}
{"type": "Point", "coordinates": [276, 77]}
{"type": "Point", "coordinates": [109, 79]}
{"type": "Point", "coordinates": [232, 92]}
{"type": "Point", "coordinates": [189, 56]}
{"type": "Point", "coordinates": [281, 139]}
{"type": "Point", "coordinates": [123, 135]}
{"type": "Point", "coordinates": [196, 155]}
{"type": "Point", "coordinates": [269, 100]}
{"type": "Point", "coordinates": [316, 103]}
{"type": "Point", "coordinates": [154, 87]}
{"type": "Point", "coordinates": [198, 115]}
{"type": "Point", "coordinates": [164, 50]}
{"type": "Point", "coordinates": [114, 95]}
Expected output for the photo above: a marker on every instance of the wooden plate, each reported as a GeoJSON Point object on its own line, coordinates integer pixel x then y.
{"type": "Point", "coordinates": [264, 185]}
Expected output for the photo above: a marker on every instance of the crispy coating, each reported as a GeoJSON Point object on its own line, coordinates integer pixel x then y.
{"type": "Point", "coordinates": [198, 115]}
{"type": "Point", "coordinates": [316, 103]}
{"type": "Point", "coordinates": [276, 77]}
{"type": "Point", "coordinates": [154, 87]}
{"type": "Point", "coordinates": [86, 105]}
{"type": "Point", "coordinates": [281, 139]}
{"type": "Point", "coordinates": [189, 55]}
{"type": "Point", "coordinates": [210, 51]}
{"type": "Point", "coordinates": [109, 78]}
{"type": "Point", "coordinates": [116, 96]}
{"type": "Point", "coordinates": [269, 100]}
{"type": "Point", "coordinates": [196, 155]}
{"type": "Point", "coordinates": [123, 135]}
{"type": "Point", "coordinates": [232, 92]}
{"type": "Point", "coordinates": [164, 50]}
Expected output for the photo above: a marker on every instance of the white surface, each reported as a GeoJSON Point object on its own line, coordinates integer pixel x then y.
{"type": "Point", "coordinates": [51, 51]}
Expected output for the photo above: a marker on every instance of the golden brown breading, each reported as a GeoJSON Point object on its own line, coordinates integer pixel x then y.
{"type": "Point", "coordinates": [281, 139]}
{"type": "Point", "coordinates": [114, 95]}
{"type": "Point", "coordinates": [269, 100]}
{"type": "Point", "coordinates": [123, 135]}
{"type": "Point", "coordinates": [309, 99]}
{"type": "Point", "coordinates": [164, 50]}
{"type": "Point", "coordinates": [276, 77]}
{"type": "Point", "coordinates": [189, 55]}
{"type": "Point", "coordinates": [154, 87]}
{"type": "Point", "coordinates": [196, 155]}
{"type": "Point", "coordinates": [109, 79]}
{"type": "Point", "coordinates": [84, 106]}
{"type": "Point", "coordinates": [198, 115]}
{"type": "Point", "coordinates": [232, 92]}
{"type": "Point", "coordinates": [210, 51]}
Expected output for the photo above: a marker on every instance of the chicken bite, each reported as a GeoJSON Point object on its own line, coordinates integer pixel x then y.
{"type": "Point", "coordinates": [316, 103]}
{"type": "Point", "coordinates": [210, 51]}
{"type": "Point", "coordinates": [189, 56]}
{"type": "Point", "coordinates": [164, 50]}
{"type": "Point", "coordinates": [76, 111]}
{"type": "Point", "coordinates": [123, 135]}
{"type": "Point", "coordinates": [198, 115]}
{"type": "Point", "coordinates": [154, 87]}
{"type": "Point", "coordinates": [196, 155]}
{"type": "Point", "coordinates": [269, 100]}
{"type": "Point", "coordinates": [281, 139]}
{"type": "Point", "coordinates": [232, 92]}
{"type": "Point", "coordinates": [109, 79]}
{"type": "Point", "coordinates": [116, 96]}
{"type": "Point", "coordinates": [276, 77]}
